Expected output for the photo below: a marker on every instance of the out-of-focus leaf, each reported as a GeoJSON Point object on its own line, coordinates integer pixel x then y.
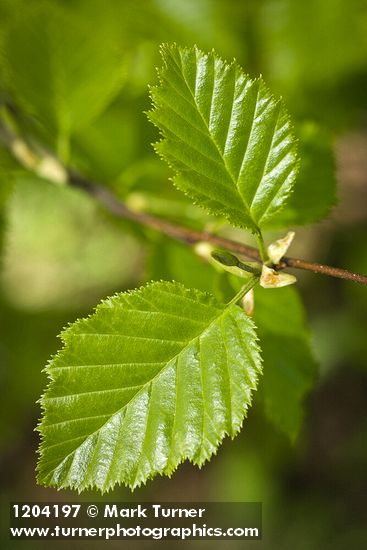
{"type": "Point", "coordinates": [229, 141]}
{"type": "Point", "coordinates": [314, 193]}
{"type": "Point", "coordinates": [289, 364]}
{"type": "Point", "coordinates": [154, 377]}
{"type": "Point", "coordinates": [109, 144]}
{"type": "Point", "coordinates": [175, 261]}
{"type": "Point", "coordinates": [62, 68]}
{"type": "Point", "coordinates": [307, 42]}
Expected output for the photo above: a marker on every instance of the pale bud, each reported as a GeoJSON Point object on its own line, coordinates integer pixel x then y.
{"type": "Point", "coordinates": [52, 170]}
{"type": "Point", "coordinates": [23, 154]}
{"type": "Point", "coordinates": [274, 279]}
{"type": "Point", "coordinates": [204, 250]}
{"type": "Point", "coordinates": [248, 302]}
{"type": "Point", "coordinates": [278, 249]}
{"type": "Point", "coordinates": [136, 202]}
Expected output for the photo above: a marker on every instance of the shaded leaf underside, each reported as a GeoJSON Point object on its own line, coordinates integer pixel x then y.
{"type": "Point", "coordinates": [151, 379]}
{"type": "Point", "coordinates": [228, 140]}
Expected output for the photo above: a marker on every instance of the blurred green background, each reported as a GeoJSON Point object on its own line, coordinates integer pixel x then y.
{"type": "Point", "coordinates": [79, 72]}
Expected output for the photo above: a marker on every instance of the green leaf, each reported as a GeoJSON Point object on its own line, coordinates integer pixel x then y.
{"type": "Point", "coordinates": [152, 378]}
{"type": "Point", "coordinates": [315, 192]}
{"type": "Point", "coordinates": [289, 364]}
{"type": "Point", "coordinates": [62, 68]}
{"type": "Point", "coordinates": [108, 145]}
{"type": "Point", "coordinates": [228, 139]}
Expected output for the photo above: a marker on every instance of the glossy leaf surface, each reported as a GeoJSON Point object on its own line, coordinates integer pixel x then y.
{"type": "Point", "coordinates": [228, 139]}
{"type": "Point", "coordinates": [154, 377]}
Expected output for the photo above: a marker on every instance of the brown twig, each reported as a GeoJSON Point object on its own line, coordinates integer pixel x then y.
{"type": "Point", "coordinates": [188, 236]}
{"type": "Point", "coordinates": [323, 269]}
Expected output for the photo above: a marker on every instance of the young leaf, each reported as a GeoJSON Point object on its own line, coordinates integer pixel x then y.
{"type": "Point", "coordinates": [290, 366]}
{"type": "Point", "coordinates": [154, 377]}
{"type": "Point", "coordinates": [228, 139]}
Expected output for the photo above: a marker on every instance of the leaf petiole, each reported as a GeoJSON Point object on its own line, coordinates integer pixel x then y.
{"type": "Point", "coordinates": [261, 245]}
{"type": "Point", "coordinates": [250, 283]}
